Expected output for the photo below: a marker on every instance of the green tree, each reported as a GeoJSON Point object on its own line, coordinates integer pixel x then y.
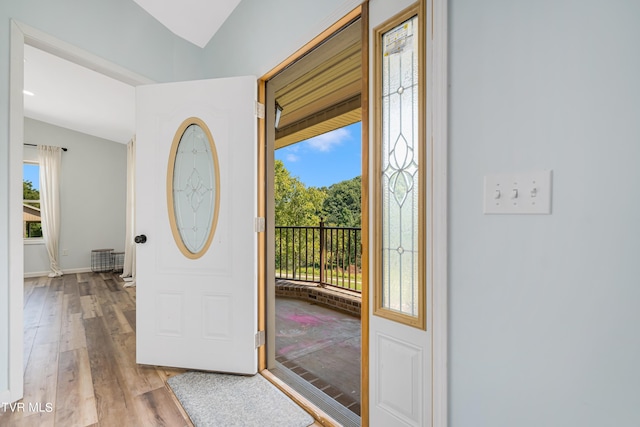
{"type": "Point", "coordinates": [28, 192]}
{"type": "Point", "coordinates": [295, 204]}
{"type": "Point", "coordinates": [32, 229]}
{"type": "Point", "coordinates": [342, 206]}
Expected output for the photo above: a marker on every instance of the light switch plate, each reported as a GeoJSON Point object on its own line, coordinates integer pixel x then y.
{"type": "Point", "coordinates": [518, 193]}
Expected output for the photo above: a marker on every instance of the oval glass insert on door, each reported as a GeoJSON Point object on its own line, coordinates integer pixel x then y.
{"type": "Point", "coordinates": [193, 188]}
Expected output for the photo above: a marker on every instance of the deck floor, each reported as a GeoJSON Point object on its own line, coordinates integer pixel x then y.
{"type": "Point", "coordinates": [321, 345]}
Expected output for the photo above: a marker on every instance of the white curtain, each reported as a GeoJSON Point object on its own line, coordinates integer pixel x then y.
{"type": "Point", "coordinates": [129, 268]}
{"type": "Point", "coordinates": [50, 159]}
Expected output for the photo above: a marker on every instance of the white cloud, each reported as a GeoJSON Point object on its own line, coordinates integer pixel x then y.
{"type": "Point", "coordinates": [327, 141]}
{"type": "Point", "coordinates": [292, 158]}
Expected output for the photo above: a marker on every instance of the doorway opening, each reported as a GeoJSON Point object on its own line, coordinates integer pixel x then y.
{"type": "Point", "coordinates": [319, 266]}
{"type": "Point", "coordinates": [315, 280]}
{"type": "Point", "coordinates": [26, 43]}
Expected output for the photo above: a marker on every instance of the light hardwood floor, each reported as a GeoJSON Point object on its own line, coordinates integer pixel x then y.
{"type": "Point", "coordinates": [79, 355]}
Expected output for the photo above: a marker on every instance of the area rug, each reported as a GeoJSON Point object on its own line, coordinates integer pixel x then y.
{"type": "Point", "coordinates": [219, 400]}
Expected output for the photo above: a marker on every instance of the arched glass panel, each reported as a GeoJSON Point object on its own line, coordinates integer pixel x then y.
{"type": "Point", "coordinates": [193, 188]}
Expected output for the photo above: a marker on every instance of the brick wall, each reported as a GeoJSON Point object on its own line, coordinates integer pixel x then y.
{"type": "Point", "coordinates": [344, 301]}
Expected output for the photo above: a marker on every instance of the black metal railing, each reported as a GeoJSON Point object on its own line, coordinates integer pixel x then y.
{"type": "Point", "coordinates": [325, 255]}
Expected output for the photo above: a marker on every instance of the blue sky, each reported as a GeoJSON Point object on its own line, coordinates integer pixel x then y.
{"type": "Point", "coordinates": [30, 173]}
{"type": "Point", "coordinates": [326, 159]}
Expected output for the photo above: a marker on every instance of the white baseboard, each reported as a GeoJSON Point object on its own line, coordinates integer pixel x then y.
{"type": "Point", "coordinates": [36, 274]}
{"type": "Point", "coordinates": [77, 270]}
{"type": "Point", "coordinates": [66, 271]}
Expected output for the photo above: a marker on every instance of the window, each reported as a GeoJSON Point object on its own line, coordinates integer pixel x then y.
{"type": "Point", "coordinates": [31, 222]}
{"type": "Point", "coordinates": [399, 176]}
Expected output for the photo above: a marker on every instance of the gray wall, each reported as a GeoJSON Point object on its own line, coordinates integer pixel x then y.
{"type": "Point", "coordinates": [545, 310]}
{"type": "Point", "coordinates": [92, 196]}
{"type": "Point", "coordinates": [117, 30]}
{"type": "Point", "coordinates": [260, 34]}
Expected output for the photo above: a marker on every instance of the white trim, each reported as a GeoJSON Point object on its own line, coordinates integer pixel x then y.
{"type": "Point", "coordinates": [36, 274]}
{"type": "Point", "coordinates": [66, 271]}
{"type": "Point", "coordinates": [22, 34]}
{"type": "Point", "coordinates": [439, 94]}
{"type": "Point", "coordinates": [16, 249]}
{"type": "Point", "coordinates": [33, 240]}
{"type": "Point", "coordinates": [43, 41]}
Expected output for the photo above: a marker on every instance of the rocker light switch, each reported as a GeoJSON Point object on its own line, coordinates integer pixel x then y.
{"type": "Point", "coordinates": [526, 193]}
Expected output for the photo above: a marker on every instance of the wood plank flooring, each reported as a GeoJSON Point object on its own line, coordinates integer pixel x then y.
{"type": "Point", "coordinates": [79, 354]}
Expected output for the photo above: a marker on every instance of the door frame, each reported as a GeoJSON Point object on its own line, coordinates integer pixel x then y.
{"type": "Point", "coordinates": [437, 128]}
{"type": "Point", "coordinates": [265, 267]}
{"type": "Point", "coordinates": [21, 35]}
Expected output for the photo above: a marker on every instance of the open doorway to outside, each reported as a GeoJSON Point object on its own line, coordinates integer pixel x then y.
{"type": "Point", "coordinates": [315, 144]}
{"type": "Point", "coordinates": [318, 265]}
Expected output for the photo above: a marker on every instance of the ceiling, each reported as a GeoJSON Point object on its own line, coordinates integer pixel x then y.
{"type": "Point", "coordinates": [71, 96]}
{"type": "Point", "coordinates": [194, 20]}
{"type": "Point", "coordinates": [319, 93]}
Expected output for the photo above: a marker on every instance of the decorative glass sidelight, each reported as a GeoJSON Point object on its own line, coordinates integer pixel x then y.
{"type": "Point", "coordinates": [193, 188]}
{"type": "Point", "coordinates": [400, 283]}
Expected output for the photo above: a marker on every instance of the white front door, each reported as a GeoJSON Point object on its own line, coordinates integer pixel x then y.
{"type": "Point", "coordinates": [197, 297]}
